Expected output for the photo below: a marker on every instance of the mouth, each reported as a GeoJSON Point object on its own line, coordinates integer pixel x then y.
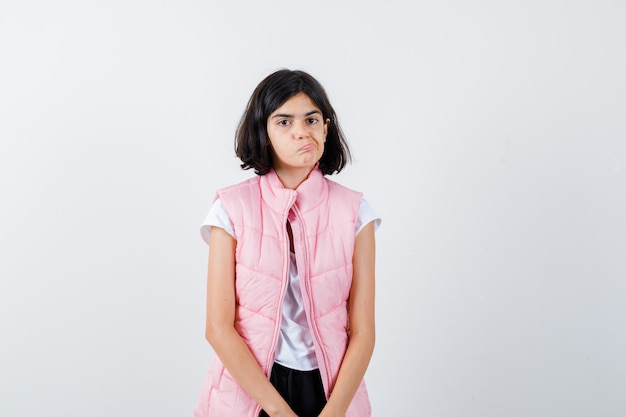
{"type": "Point", "coordinates": [307, 147]}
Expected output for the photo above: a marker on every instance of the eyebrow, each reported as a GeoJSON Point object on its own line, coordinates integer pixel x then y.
{"type": "Point", "coordinates": [291, 115]}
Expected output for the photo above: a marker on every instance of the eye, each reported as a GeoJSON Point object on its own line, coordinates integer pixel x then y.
{"type": "Point", "coordinates": [311, 120]}
{"type": "Point", "coordinates": [284, 122]}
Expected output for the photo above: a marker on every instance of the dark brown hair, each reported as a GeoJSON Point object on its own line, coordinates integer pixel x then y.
{"type": "Point", "coordinates": [252, 140]}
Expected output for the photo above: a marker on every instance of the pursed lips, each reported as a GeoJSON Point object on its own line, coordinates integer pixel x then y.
{"type": "Point", "coordinates": [307, 147]}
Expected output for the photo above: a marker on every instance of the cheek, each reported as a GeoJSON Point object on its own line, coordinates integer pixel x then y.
{"type": "Point", "coordinates": [271, 138]}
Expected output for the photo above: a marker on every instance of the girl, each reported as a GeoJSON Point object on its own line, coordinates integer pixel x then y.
{"type": "Point", "coordinates": [290, 292]}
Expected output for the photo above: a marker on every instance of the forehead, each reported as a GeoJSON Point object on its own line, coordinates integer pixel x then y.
{"type": "Point", "coordinates": [300, 103]}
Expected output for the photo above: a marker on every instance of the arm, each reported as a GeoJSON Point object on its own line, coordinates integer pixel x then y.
{"type": "Point", "coordinates": [221, 333]}
{"type": "Point", "coordinates": [362, 329]}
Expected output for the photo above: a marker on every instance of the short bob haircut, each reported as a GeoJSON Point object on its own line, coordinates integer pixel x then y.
{"type": "Point", "coordinates": [252, 143]}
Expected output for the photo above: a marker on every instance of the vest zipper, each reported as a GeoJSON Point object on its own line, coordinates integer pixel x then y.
{"type": "Point", "coordinates": [305, 281]}
{"type": "Point", "coordinates": [283, 290]}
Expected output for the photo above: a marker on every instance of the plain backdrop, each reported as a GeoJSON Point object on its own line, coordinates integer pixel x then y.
{"type": "Point", "coordinates": [490, 136]}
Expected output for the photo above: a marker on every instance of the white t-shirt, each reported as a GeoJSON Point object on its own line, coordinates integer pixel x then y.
{"type": "Point", "coordinates": [295, 348]}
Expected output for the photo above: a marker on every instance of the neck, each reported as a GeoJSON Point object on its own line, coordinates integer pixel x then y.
{"type": "Point", "coordinates": [292, 178]}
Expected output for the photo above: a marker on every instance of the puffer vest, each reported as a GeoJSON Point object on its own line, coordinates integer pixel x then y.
{"type": "Point", "coordinates": [322, 215]}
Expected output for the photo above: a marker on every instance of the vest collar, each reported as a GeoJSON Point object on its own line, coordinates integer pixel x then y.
{"type": "Point", "coordinates": [309, 194]}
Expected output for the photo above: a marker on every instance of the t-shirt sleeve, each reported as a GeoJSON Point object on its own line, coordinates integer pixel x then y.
{"type": "Point", "coordinates": [366, 215]}
{"type": "Point", "coordinates": [217, 217]}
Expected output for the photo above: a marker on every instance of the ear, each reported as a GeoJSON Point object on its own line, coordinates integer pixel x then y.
{"type": "Point", "coordinates": [326, 124]}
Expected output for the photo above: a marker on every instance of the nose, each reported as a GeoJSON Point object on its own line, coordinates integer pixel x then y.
{"type": "Point", "coordinates": [300, 130]}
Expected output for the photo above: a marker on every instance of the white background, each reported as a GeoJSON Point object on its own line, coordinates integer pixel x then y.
{"type": "Point", "coordinates": [489, 135]}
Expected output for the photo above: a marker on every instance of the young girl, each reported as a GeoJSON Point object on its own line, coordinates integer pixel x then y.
{"type": "Point", "coordinates": [290, 292]}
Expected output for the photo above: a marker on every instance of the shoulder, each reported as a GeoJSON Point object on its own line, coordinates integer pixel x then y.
{"type": "Point", "coordinates": [242, 187]}
{"type": "Point", "coordinates": [339, 189]}
{"type": "Point", "coordinates": [341, 196]}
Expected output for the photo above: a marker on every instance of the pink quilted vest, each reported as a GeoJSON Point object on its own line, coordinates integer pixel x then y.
{"type": "Point", "coordinates": [322, 215]}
